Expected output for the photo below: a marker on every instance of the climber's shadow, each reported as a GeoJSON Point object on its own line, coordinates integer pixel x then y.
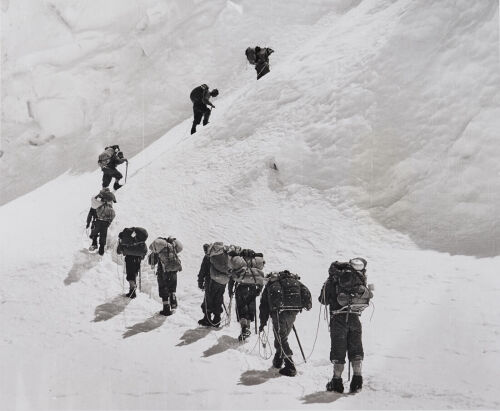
{"type": "Point", "coordinates": [150, 324]}
{"type": "Point", "coordinates": [111, 308]}
{"type": "Point", "coordinates": [256, 377]}
{"type": "Point", "coordinates": [223, 344]}
{"type": "Point", "coordinates": [193, 335]}
{"type": "Point", "coordinates": [82, 261]}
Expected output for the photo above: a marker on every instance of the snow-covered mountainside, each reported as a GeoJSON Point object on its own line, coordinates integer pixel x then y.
{"type": "Point", "coordinates": [381, 119]}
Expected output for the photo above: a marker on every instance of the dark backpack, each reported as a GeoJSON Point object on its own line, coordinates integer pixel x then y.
{"type": "Point", "coordinates": [132, 241]}
{"type": "Point", "coordinates": [350, 286]}
{"type": "Point", "coordinates": [286, 293]}
{"type": "Point", "coordinates": [198, 93]}
{"type": "Point", "coordinates": [251, 56]}
{"type": "Point", "coordinates": [133, 235]}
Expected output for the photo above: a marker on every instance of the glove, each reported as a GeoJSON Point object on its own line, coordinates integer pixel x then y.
{"type": "Point", "coordinates": [88, 225]}
{"type": "Point", "coordinates": [201, 286]}
{"type": "Point", "coordinates": [261, 328]}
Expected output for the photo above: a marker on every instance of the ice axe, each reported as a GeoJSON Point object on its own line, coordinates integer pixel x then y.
{"type": "Point", "coordinates": [126, 171]}
{"type": "Point", "coordinates": [300, 345]}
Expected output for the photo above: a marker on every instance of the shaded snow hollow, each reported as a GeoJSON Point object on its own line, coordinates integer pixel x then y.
{"type": "Point", "coordinates": [324, 114]}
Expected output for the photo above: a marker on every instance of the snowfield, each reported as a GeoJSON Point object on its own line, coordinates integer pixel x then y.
{"type": "Point", "coordinates": [382, 118]}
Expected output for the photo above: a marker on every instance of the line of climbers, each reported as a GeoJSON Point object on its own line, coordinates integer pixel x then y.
{"type": "Point", "coordinates": [283, 294]}
{"type": "Point", "coordinates": [101, 212]}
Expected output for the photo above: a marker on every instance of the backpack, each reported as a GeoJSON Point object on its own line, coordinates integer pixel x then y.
{"type": "Point", "coordinates": [350, 287]}
{"type": "Point", "coordinates": [285, 293]}
{"type": "Point", "coordinates": [105, 212]}
{"type": "Point", "coordinates": [133, 235]}
{"type": "Point", "coordinates": [132, 241]}
{"type": "Point", "coordinates": [198, 93]}
{"type": "Point", "coordinates": [105, 157]}
{"type": "Point", "coordinates": [167, 253]}
{"type": "Point", "coordinates": [251, 56]}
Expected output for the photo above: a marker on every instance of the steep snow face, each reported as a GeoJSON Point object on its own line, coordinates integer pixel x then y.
{"type": "Point", "coordinates": [79, 75]}
{"type": "Point", "coordinates": [394, 107]}
{"type": "Point", "coordinates": [391, 106]}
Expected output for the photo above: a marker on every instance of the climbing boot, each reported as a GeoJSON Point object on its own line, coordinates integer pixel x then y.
{"type": "Point", "coordinates": [277, 360]}
{"type": "Point", "coordinates": [289, 369]}
{"type": "Point", "coordinates": [335, 385]}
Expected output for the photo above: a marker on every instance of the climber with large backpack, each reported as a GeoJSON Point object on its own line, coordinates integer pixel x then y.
{"type": "Point", "coordinates": [246, 287]}
{"type": "Point", "coordinates": [213, 283]}
{"type": "Point", "coordinates": [164, 254]}
{"type": "Point", "coordinates": [132, 244]}
{"type": "Point", "coordinates": [347, 294]}
{"type": "Point", "coordinates": [102, 214]}
{"type": "Point", "coordinates": [95, 202]}
{"type": "Point", "coordinates": [108, 160]}
{"type": "Point", "coordinates": [259, 57]}
{"type": "Point", "coordinates": [200, 97]}
{"type": "Point", "coordinates": [283, 298]}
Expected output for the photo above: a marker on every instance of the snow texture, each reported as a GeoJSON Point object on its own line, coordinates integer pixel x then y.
{"type": "Point", "coordinates": [381, 117]}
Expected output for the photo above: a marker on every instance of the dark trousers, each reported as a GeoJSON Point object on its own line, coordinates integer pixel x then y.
{"type": "Point", "coordinates": [262, 69]}
{"type": "Point", "coordinates": [100, 231]}
{"type": "Point", "coordinates": [282, 326]}
{"type": "Point", "coordinates": [200, 111]}
{"type": "Point", "coordinates": [132, 266]}
{"type": "Point", "coordinates": [214, 298]}
{"type": "Point", "coordinates": [245, 303]}
{"type": "Point", "coordinates": [167, 283]}
{"type": "Point", "coordinates": [108, 174]}
{"type": "Point", "coordinates": [346, 338]}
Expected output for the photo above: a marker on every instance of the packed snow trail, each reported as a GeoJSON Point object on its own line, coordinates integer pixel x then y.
{"type": "Point", "coordinates": [73, 342]}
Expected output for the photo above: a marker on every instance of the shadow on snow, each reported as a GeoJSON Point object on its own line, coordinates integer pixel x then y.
{"type": "Point", "coordinates": [111, 308]}
{"type": "Point", "coordinates": [193, 335]}
{"type": "Point", "coordinates": [321, 397]}
{"type": "Point", "coordinates": [256, 377]}
{"type": "Point", "coordinates": [150, 324]}
{"type": "Point", "coordinates": [223, 344]}
{"type": "Point", "coordinates": [83, 261]}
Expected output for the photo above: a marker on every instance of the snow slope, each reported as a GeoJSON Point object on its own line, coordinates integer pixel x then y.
{"type": "Point", "coordinates": [431, 342]}
{"type": "Point", "coordinates": [97, 72]}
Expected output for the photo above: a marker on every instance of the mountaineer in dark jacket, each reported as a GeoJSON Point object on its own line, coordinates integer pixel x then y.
{"type": "Point", "coordinates": [260, 58]}
{"type": "Point", "coordinates": [345, 326]}
{"type": "Point", "coordinates": [214, 294]}
{"type": "Point", "coordinates": [132, 244]}
{"type": "Point", "coordinates": [283, 297]}
{"type": "Point", "coordinates": [108, 165]}
{"type": "Point", "coordinates": [200, 97]}
{"type": "Point", "coordinates": [245, 304]}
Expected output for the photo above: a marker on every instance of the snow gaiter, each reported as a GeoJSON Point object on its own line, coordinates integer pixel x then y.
{"type": "Point", "coordinates": [356, 367]}
{"type": "Point", "coordinates": [338, 369]}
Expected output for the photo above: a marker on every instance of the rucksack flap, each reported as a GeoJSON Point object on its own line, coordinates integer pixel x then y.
{"type": "Point", "coordinates": [105, 157]}
{"type": "Point", "coordinates": [105, 212]}
{"type": "Point", "coordinates": [133, 235]}
{"type": "Point", "coordinates": [157, 245]}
